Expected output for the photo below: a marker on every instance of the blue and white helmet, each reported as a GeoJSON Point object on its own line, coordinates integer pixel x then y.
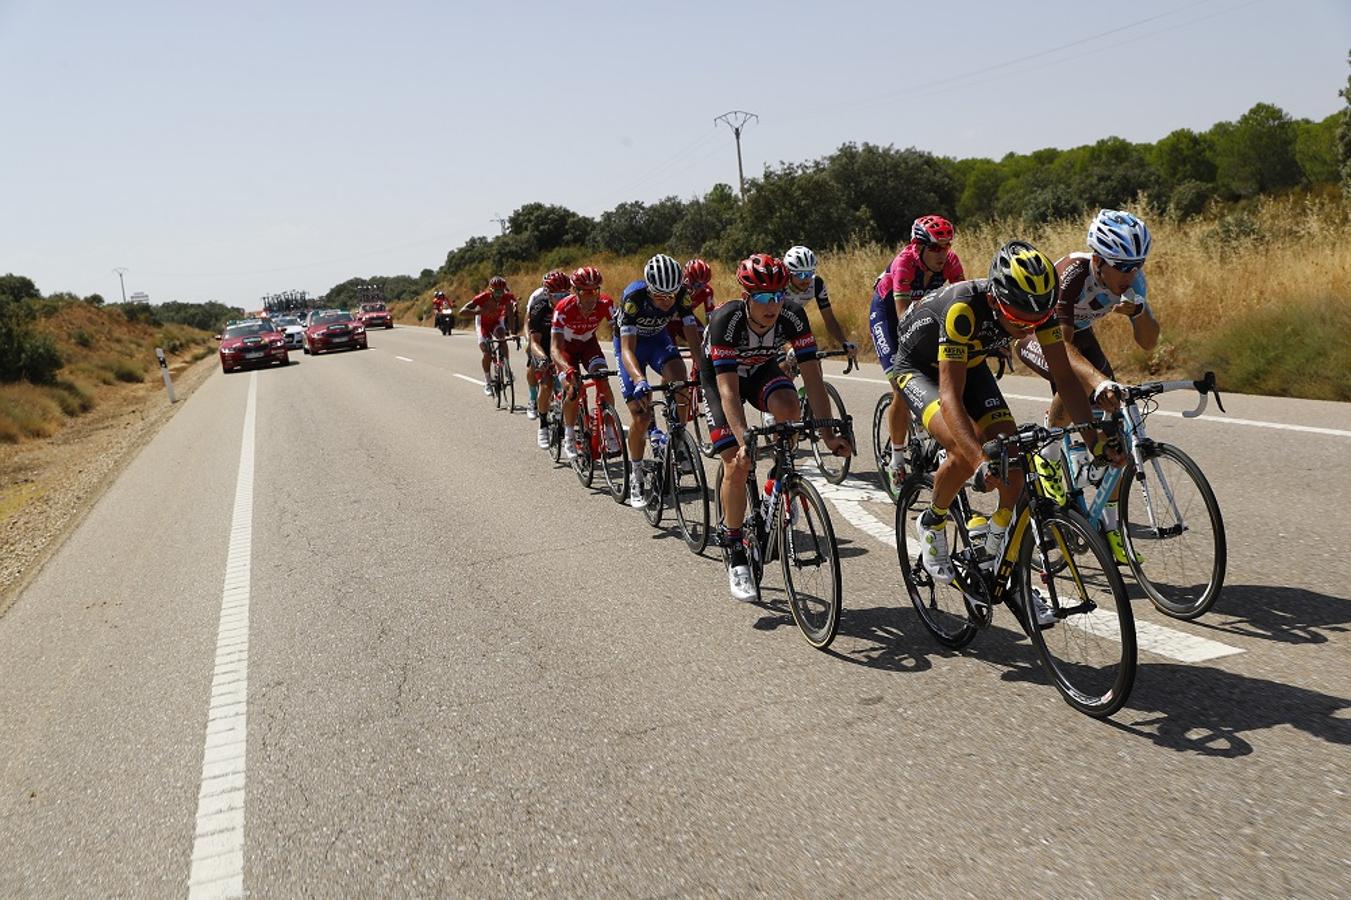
{"type": "Point", "coordinates": [663, 274]}
{"type": "Point", "coordinates": [800, 261]}
{"type": "Point", "coordinates": [1119, 237]}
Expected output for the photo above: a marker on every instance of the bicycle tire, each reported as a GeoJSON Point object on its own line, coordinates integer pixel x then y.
{"type": "Point", "coordinates": [882, 447]}
{"type": "Point", "coordinates": [943, 609]}
{"type": "Point", "coordinates": [1183, 598]}
{"type": "Point", "coordinates": [584, 464]}
{"type": "Point", "coordinates": [697, 423]}
{"type": "Point", "coordinates": [804, 518]}
{"type": "Point", "coordinates": [751, 542]}
{"type": "Point", "coordinates": [652, 475]}
{"type": "Point", "coordinates": [555, 434]}
{"type": "Point", "coordinates": [614, 464]}
{"type": "Point", "coordinates": [509, 386]}
{"type": "Point", "coordinates": [689, 492]}
{"type": "Point", "coordinates": [1097, 687]}
{"type": "Point", "coordinates": [833, 468]}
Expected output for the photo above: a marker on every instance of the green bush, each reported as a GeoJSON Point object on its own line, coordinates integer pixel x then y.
{"type": "Point", "coordinates": [126, 370]}
{"type": "Point", "coordinates": [73, 398]}
{"type": "Point", "coordinates": [1284, 350]}
{"type": "Point", "coordinates": [82, 338]}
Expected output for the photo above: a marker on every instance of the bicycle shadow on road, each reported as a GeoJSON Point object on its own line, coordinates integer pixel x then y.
{"type": "Point", "coordinates": [1287, 614]}
{"type": "Point", "coordinates": [1205, 710]}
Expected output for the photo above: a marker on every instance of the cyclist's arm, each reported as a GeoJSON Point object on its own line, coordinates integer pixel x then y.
{"type": "Point", "coordinates": [951, 386]}
{"type": "Point", "coordinates": [833, 325]}
{"type": "Point", "coordinates": [816, 392]}
{"type": "Point", "coordinates": [694, 336]}
{"type": "Point", "coordinates": [1069, 378]}
{"type": "Point", "coordinates": [729, 390]}
{"type": "Point", "coordinates": [1084, 372]}
{"type": "Point", "coordinates": [470, 307]}
{"type": "Point", "coordinates": [1144, 326]}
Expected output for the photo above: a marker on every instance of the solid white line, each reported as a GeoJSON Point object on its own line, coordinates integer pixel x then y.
{"type": "Point", "coordinates": [218, 841]}
{"type": "Point", "coordinates": [850, 496]}
{"type": "Point", "coordinates": [1220, 419]}
{"type": "Point", "coordinates": [478, 381]}
{"type": "Point", "coordinates": [404, 358]}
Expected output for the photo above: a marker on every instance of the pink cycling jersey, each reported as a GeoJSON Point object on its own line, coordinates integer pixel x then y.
{"type": "Point", "coordinates": [907, 274]}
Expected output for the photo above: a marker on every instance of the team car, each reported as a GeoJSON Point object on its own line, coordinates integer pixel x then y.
{"type": "Point", "coordinates": [374, 315]}
{"type": "Point", "coordinates": [333, 329]}
{"type": "Point", "coordinates": [252, 342]}
{"type": "Point", "coordinates": [294, 330]}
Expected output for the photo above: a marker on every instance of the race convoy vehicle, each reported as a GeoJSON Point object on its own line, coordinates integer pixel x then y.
{"type": "Point", "coordinates": [375, 315]}
{"type": "Point", "coordinates": [251, 342]}
{"type": "Point", "coordinates": [293, 329]}
{"type": "Point", "coordinates": [333, 329]}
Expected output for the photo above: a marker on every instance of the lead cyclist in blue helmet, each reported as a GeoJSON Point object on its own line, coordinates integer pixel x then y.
{"type": "Point", "coordinates": [1107, 280]}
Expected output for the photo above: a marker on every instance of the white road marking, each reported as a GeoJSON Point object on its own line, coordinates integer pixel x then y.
{"type": "Point", "coordinates": [850, 496]}
{"type": "Point", "coordinates": [1220, 418]}
{"type": "Point", "coordinates": [404, 358]}
{"type": "Point", "coordinates": [218, 844]}
{"type": "Point", "coordinates": [478, 381]}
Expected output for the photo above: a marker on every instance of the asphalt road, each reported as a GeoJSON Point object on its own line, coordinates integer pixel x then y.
{"type": "Point", "coordinates": [385, 647]}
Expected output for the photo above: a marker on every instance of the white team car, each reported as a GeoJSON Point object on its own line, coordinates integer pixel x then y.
{"type": "Point", "coordinates": [294, 331]}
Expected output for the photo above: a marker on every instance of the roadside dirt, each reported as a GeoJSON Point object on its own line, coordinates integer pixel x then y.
{"type": "Point", "coordinates": [47, 486]}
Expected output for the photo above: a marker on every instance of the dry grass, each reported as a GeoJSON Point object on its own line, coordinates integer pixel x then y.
{"type": "Point", "coordinates": [1219, 287]}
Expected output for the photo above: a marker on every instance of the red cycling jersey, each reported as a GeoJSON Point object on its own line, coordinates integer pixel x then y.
{"type": "Point", "coordinates": [490, 309]}
{"type": "Point", "coordinates": [907, 273]}
{"type": "Point", "coordinates": [573, 325]}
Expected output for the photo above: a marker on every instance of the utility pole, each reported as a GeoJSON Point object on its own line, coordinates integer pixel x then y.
{"type": "Point", "coordinates": [502, 223]}
{"type": "Point", "coordinates": [121, 270]}
{"type": "Point", "coordinates": [737, 120]}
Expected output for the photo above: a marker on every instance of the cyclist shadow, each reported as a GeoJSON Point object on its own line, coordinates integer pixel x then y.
{"type": "Point", "coordinates": [1287, 614]}
{"type": "Point", "coordinates": [1206, 710]}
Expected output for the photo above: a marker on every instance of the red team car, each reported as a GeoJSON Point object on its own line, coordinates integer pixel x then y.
{"type": "Point", "coordinates": [375, 315]}
{"type": "Point", "coordinates": [252, 342]}
{"type": "Point", "coordinates": [333, 329]}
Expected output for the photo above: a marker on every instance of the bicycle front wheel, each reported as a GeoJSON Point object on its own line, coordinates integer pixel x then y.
{"type": "Point", "coordinates": [555, 434]}
{"type": "Point", "coordinates": [1173, 532]}
{"type": "Point", "coordinates": [497, 384]}
{"type": "Point", "coordinates": [943, 608]}
{"type": "Point", "coordinates": [834, 468]}
{"type": "Point", "coordinates": [811, 563]}
{"type": "Point", "coordinates": [509, 386]}
{"type": "Point", "coordinates": [1089, 650]}
{"type": "Point", "coordinates": [653, 475]}
{"type": "Point", "coordinates": [689, 489]}
{"type": "Point", "coordinates": [614, 453]}
{"type": "Point", "coordinates": [584, 464]}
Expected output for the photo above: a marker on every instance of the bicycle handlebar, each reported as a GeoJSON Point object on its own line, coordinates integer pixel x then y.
{"type": "Point", "coordinates": [787, 429]}
{"type": "Point", "coordinates": [1204, 386]}
{"type": "Point", "coordinates": [670, 387]}
{"type": "Point", "coordinates": [788, 356]}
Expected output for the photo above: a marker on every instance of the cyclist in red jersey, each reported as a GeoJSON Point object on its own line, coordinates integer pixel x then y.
{"type": "Point", "coordinates": [699, 292]}
{"type": "Point", "coordinates": [576, 318]}
{"type": "Point", "coordinates": [495, 314]}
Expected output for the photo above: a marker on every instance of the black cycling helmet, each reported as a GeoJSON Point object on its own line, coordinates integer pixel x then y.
{"type": "Point", "coordinates": [1023, 282]}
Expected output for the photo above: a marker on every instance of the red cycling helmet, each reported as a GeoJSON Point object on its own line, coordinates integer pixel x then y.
{"type": "Point", "coordinates": [497, 282]}
{"type": "Point", "coordinates": [556, 282]}
{"type": "Point", "coordinates": [762, 272]}
{"type": "Point", "coordinates": [698, 270]}
{"type": "Point", "coordinates": [932, 230]}
{"type": "Point", "coordinates": [587, 278]}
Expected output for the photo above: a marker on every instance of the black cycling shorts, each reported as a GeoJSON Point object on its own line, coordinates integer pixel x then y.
{"type": "Point", "coordinates": [756, 387]}
{"type": "Point", "coordinates": [981, 398]}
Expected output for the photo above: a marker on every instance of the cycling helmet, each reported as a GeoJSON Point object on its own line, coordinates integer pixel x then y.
{"type": "Point", "coordinates": [932, 230]}
{"type": "Point", "coordinates": [439, 295]}
{"type": "Point", "coordinates": [1119, 237]}
{"type": "Point", "coordinates": [587, 278]}
{"type": "Point", "coordinates": [497, 282]}
{"type": "Point", "coordinates": [662, 274]}
{"type": "Point", "coordinates": [800, 261]}
{"type": "Point", "coordinates": [762, 272]}
{"type": "Point", "coordinates": [1023, 282]}
{"type": "Point", "coordinates": [698, 270]}
{"type": "Point", "coordinates": [556, 282]}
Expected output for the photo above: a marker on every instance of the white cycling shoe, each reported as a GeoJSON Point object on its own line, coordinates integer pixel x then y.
{"type": "Point", "coordinates": [531, 414]}
{"type": "Point", "coordinates": [488, 390]}
{"type": "Point", "coordinates": [636, 498]}
{"type": "Point", "coordinates": [933, 544]}
{"type": "Point", "coordinates": [543, 439]}
{"type": "Point", "coordinates": [1042, 608]}
{"type": "Point", "coordinates": [569, 451]}
{"type": "Point", "coordinates": [740, 583]}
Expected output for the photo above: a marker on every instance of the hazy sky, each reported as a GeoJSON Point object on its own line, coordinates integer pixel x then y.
{"type": "Point", "coordinates": [228, 150]}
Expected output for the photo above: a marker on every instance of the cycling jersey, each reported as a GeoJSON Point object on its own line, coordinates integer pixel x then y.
{"type": "Point", "coordinates": [639, 315]}
{"type": "Point", "coordinates": [730, 343]}
{"type": "Point", "coordinates": [490, 308]}
{"type": "Point", "coordinates": [907, 274]}
{"type": "Point", "coordinates": [574, 324]}
{"type": "Point", "coordinates": [816, 290]}
{"type": "Point", "coordinates": [956, 323]}
{"type": "Point", "coordinates": [1083, 299]}
{"type": "Point", "coordinates": [701, 298]}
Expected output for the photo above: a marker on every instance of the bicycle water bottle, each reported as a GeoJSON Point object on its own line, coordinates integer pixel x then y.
{"type": "Point", "coordinates": [1079, 453]}
{"type": "Point", "coordinates": [657, 438]}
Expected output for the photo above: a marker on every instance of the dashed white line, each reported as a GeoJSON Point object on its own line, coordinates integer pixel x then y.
{"type": "Point", "coordinates": [850, 496]}
{"type": "Point", "coordinates": [218, 842]}
{"type": "Point", "coordinates": [1221, 419]}
{"type": "Point", "coordinates": [404, 358]}
{"type": "Point", "coordinates": [478, 381]}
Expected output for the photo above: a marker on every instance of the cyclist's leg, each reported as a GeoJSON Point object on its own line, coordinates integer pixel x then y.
{"type": "Point", "coordinates": [639, 410]}
{"type": "Point", "coordinates": [672, 370]}
{"type": "Point", "coordinates": [985, 404]}
{"type": "Point", "coordinates": [725, 447]}
{"type": "Point", "coordinates": [882, 325]}
{"type": "Point", "coordinates": [595, 360]}
{"type": "Point", "coordinates": [483, 345]}
{"type": "Point", "coordinates": [770, 390]}
{"type": "Point", "coordinates": [920, 391]}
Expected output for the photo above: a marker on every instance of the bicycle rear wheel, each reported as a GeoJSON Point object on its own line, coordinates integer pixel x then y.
{"type": "Point", "coordinates": [1090, 650]}
{"type": "Point", "coordinates": [811, 563]}
{"type": "Point", "coordinates": [749, 530]}
{"type": "Point", "coordinates": [509, 386]}
{"type": "Point", "coordinates": [496, 378]}
{"type": "Point", "coordinates": [1174, 533]}
{"type": "Point", "coordinates": [689, 489]}
{"type": "Point", "coordinates": [555, 433]}
{"type": "Point", "coordinates": [943, 608]}
{"type": "Point", "coordinates": [614, 453]}
{"type": "Point", "coordinates": [697, 423]}
{"type": "Point", "coordinates": [653, 476]}
{"type": "Point", "coordinates": [584, 464]}
{"type": "Point", "coordinates": [833, 468]}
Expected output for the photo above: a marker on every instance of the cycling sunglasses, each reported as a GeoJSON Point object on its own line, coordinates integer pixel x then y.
{"type": "Point", "coordinates": [1018, 317]}
{"type": "Point", "coordinates": [803, 276]}
{"type": "Point", "coordinates": [1126, 268]}
{"type": "Point", "coordinates": [766, 297]}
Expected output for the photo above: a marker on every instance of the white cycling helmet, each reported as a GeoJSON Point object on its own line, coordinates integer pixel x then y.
{"type": "Point", "coordinates": [800, 261]}
{"type": "Point", "coordinates": [663, 274]}
{"type": "Point", "coordinates": [1119, 237]}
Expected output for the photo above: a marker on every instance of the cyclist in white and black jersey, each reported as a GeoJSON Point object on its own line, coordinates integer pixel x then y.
{"type": "Point", "coordinates": [539, 373]}
{"type": "Point", "coordinates": [806, 287]}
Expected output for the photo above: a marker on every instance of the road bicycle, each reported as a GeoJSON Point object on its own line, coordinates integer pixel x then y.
{"type": "Point", "coordinates": [833, 468]}
{"type": "Point", "coordinates": [1052, 559]}
{"type": "Point", "coordinates": [600, 438]}
{"type": "Point", "coordinates": [676, 471]}
{"type": "Point", "coordinates": [1170, 522]}
{"type": "Point", "coordinates": [791, 521]}
{"type": "Point", "coordinates": [500, 377]}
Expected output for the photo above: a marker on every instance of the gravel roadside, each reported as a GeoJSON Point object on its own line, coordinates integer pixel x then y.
{"type": "Point", "coordinates": [47, 486]}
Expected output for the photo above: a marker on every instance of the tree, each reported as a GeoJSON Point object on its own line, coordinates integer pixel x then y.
{"type": "Point", "coordinates": [705, 221]}
{"type": "Point", "coordinates": [1316, 149]}
{"type": "Point", "coordinates": [895, 187]}
{"type": "Point", "coordinates": [1180, 156]}
{"type": "Point", "coordinates": [981, 179]}
{"type": "Point", "coordinates": [631, 226]}
{"type": "Point", "coordinates": [1256, 154]}
{"type": "Point", "coordinates": [24, 354]}
{"type": "Point", "coordinates": [94, 299]}
{"type": "Point", "coordinates": [1344, 136]}
{"type": "Point", "coordinates": [1110, 174]}
{"type": "Point", "coordinates": [549, 226]}
{"type": "Point", "coordinates": [794, 204]}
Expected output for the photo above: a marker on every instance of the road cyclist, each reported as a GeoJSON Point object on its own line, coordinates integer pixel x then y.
{"type": "Point", "coordinates": [495, 314]}
{"type": "Point", "coordinates": [539, 373]}
{"type": "Point", "coordinates": [575, 348]}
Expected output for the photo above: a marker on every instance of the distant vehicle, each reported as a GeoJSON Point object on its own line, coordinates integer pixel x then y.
{"type": "Point", "coordinates": [252, 342]}
{"type": "Point", "coordinates": [294, 330]}
{"type": "Point", "coordinates": [375, 314]}
{"type": "Point", "coordinates": [333, 329]}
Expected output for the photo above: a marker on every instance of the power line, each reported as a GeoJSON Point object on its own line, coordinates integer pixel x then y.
{"type": "Point", "coordinates": [502, 223]}
{"type": "Point", "coordinates": [736, 120]}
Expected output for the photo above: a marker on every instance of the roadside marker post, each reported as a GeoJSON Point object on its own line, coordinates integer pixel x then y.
{"type": "Point", "coordinates": [164, 371]}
